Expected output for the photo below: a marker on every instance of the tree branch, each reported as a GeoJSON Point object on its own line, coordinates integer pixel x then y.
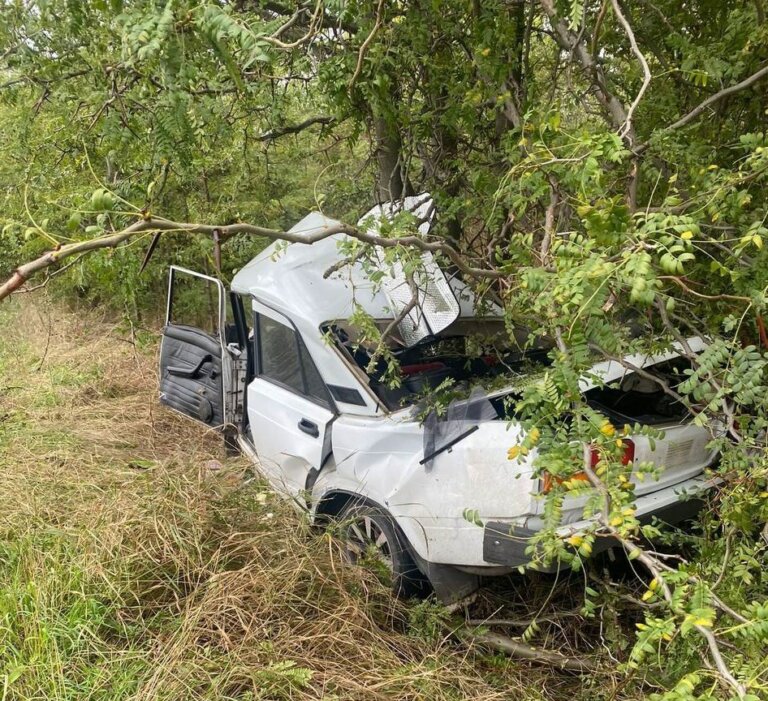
{"type": "Point", "coordinates": [315, 22]}
{"type": "Point", "coordinates": [711, 100]}
{"type": "Point", "coordinates": [158, 224]}
{"type": "Point", "coordinates": [52, 275]}
{"type": "Point", "coordinates": [405, 311]}
{"type": "Point", "coordinates": [522, 651]}
{"type": "Point", "coordinates": [366, 43]}
{"type": "Point", "coordinates": [572, 43]}
{"type": "Point", "coordinates": [627, 127]}
{"type": "Point", "coordinates": [655, 567]}
{"type": "Point", "coordinates": [44, 81]}
{"type": "Point", "coordinates": [279, 8]}
{"type": "Point", "coordinates": [273, 134]}
{"type": "Point", "coordinates": [642, 372]}
{"type": "Point", "coordinates": [682, 285]}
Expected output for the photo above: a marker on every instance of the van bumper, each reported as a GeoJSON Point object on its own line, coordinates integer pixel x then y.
{"type": "Point", "coordinates": [508, 544]}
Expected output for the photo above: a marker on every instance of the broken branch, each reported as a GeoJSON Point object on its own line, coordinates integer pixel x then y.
{"type": "Point", "coordinates": [158, 224]}
{"type": "Point", "coordinates": [525, 652]}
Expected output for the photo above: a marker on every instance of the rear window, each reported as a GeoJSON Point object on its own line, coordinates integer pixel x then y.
{"type": "Point", "coordinates": [637, 398]}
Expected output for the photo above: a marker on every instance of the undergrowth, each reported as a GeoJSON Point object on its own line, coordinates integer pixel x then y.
{"type": "Point", "coordinates": [138, 562]}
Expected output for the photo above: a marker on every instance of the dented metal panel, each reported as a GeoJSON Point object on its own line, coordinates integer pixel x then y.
{"type": "Point", "coordinates": [360, 450]}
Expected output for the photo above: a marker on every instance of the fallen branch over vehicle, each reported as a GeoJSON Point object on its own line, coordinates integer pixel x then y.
{"type": "Point", "coordinates": [150, 224]}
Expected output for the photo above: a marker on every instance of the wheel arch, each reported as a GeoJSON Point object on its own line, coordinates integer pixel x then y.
{"type": "Point", "coordinates": [332, 502]}
{"type": "Point", "coordinates": [449, 583]}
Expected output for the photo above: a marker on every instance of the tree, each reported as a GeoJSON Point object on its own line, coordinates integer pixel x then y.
{"type": "Point", "coordinates": [599, 167]}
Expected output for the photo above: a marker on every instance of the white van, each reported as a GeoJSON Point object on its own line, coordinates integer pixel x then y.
{"type": "Point", "coordinates": [275, 364]}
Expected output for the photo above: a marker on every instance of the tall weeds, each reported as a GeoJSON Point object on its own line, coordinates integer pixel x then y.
{"type": "Point", "coordinates": [137, 562]}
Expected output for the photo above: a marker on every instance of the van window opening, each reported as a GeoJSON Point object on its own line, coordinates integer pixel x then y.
{"type": "Point", "coordinates": [467, 353]}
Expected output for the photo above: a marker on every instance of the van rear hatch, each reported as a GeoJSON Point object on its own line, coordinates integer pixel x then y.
{"type": "Point", "coordinates": [682, 453]}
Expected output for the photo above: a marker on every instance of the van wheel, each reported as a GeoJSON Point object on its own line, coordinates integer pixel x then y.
{"type": "Point", "coordinates": [373, 540]}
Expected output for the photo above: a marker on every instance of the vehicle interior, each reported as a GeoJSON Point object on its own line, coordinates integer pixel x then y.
{"type": "Point", "coordinates": [640, 399]}
{"type": "Point", "coordinates": [469, 351]}
{"type": "Point", "coordinates": [474, 351]}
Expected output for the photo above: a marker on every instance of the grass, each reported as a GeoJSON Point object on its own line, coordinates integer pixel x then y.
{"type": "Point", "coordinates": [138, 562]}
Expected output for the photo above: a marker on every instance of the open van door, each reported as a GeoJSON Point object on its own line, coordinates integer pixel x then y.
{"type": "Point", "coordinates": [195, 365]}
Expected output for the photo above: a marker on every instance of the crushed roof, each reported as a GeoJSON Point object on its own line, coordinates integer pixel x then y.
{"type": "Point", "coordinates": [290, 277]}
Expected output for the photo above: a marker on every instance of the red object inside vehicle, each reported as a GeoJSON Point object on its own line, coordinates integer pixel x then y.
{"type": "Point", "coordinates": [420, 367]}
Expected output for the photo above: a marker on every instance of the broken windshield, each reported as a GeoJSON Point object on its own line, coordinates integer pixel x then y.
{"type": "Point", "coordinates": [469, 352]}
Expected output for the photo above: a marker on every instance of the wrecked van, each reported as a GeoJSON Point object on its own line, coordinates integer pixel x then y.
{"type": "Point", "coordinates": [274, 363]}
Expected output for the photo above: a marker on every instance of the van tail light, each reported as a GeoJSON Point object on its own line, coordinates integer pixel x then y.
{"type": "Point", "coordinates": [549, 481]}
{"type": "Point", "coordinates": [627, 457]}
{"type": "Point", "coordinates": [629, 452]}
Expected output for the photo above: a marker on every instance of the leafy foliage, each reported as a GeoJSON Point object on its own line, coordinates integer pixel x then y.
{"type": "Point", "coordinates": [614, 214]}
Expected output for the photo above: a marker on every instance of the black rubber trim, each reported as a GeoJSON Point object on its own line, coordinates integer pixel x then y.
{"type": "Point", "coordinates": [504, 544]}
{"type": "Point", "coordinates": [347, 395]}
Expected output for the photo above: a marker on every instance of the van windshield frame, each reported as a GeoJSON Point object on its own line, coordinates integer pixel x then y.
{"type": "Point", "coordinates": [470, 352]}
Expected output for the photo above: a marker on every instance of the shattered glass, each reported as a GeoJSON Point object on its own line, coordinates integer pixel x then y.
{"type": "Point", "coordinates": [437, 306]}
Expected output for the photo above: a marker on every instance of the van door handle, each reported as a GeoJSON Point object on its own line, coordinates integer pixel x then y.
{"type": "Point", "coordinates": [309, 428]}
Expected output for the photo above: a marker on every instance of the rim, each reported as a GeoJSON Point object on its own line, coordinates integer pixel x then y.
{"type": "Point", "coordinates": [365, 540]}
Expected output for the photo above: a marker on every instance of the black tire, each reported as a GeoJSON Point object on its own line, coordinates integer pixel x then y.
{"type": "Point", "coordinates": [372, 539]}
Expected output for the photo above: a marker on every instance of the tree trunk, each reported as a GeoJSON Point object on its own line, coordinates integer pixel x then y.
{"type": "Point", "coordinates": [391, 184]}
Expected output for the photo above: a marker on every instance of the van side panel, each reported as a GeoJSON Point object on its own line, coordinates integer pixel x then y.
{"type": "Point", "coordinates": [379, 460]}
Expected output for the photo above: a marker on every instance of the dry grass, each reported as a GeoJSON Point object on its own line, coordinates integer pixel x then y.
{"type": "Point", "coordinates": [130, 569]}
